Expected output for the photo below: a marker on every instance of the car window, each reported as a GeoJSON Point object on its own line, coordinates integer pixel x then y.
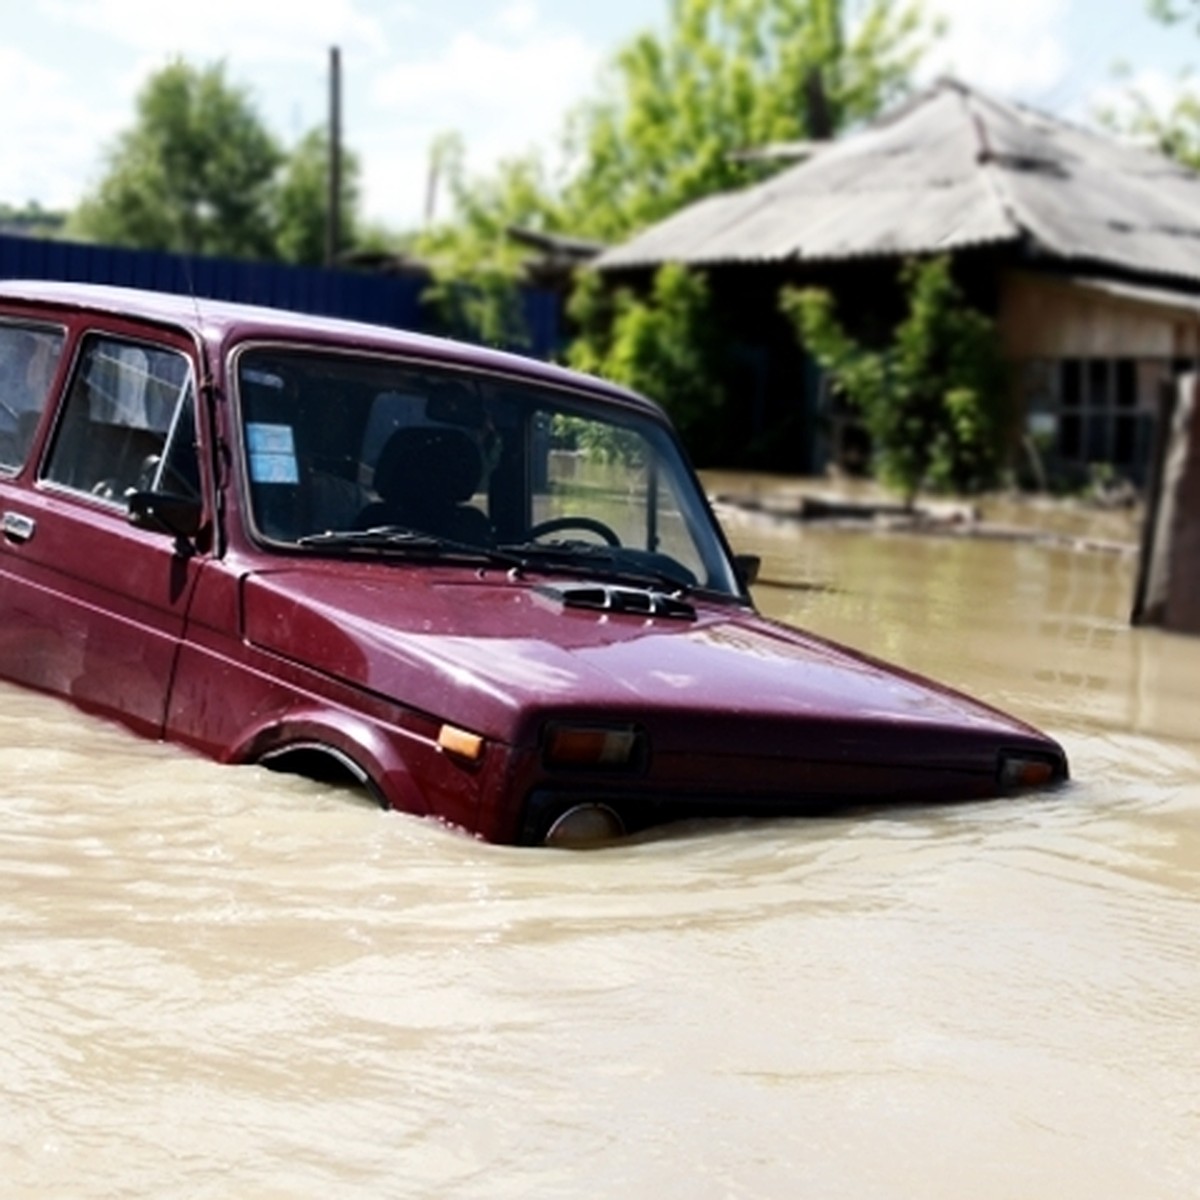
{"type": "Point", "coordinates": [28, 360]}
{"type": "Point", "coordinates": [128, 423]}
{"type": "Point", "coordinates": [337, 445]}
{"type": "Point", "coordinates": [587, 470]}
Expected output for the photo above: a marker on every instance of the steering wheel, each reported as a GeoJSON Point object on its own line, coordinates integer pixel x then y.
{"type": "Point", "coordinates": [586, 524]}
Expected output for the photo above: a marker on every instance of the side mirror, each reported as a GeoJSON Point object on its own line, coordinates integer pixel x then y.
{"type": "Point", "coordinates": [747, 567]}
{"type": "Point", "coordinates": [164, 512]}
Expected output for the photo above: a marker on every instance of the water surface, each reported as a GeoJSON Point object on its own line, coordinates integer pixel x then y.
{"type": "Point", "coordinates": [218, 982]}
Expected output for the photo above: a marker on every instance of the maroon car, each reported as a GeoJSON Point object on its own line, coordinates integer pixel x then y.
{"type": "Point", "coordinates": [485, 589]}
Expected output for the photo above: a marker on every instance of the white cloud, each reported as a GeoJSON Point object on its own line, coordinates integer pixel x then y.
{"type": "Point", "coordinates": [59, 129]}
{"type": "Point", "coordinates": [505, 95]}
{"type": "Point", "coordinates": [1159, 88]}
{"type": "Point", "coordinates": [1016, 48]}
{"type": "Point", "coordinates": [518, 17]}
{"type": "Point", "coordinates": [504, 81]}
{"type": "Point", "coordinates": [250, 30]}
{"type": "Point", "coordinates": [528, 78]}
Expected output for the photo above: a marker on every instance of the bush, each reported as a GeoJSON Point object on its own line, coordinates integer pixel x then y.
{"type": "Point", "coordinates": [934, 401]}
{"type": "Point", "coordinates": [665, 346]}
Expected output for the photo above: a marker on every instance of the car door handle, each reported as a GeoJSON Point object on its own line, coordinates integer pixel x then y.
{"type": "Point", "coordinates": [18, 528]}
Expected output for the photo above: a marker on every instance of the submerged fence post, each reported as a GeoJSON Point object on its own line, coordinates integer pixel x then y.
{"type": "Point", "coordinates": [1168, 584]}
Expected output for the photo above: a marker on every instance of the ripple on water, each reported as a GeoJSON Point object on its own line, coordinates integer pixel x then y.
{"type": "Point", "coordinates": [220, 981]}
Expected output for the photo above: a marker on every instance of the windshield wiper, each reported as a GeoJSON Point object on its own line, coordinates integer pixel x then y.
{"type": "Point", "coordinates": [593, 561]}
{"type": "Point", "coordinates": [383, 537]}
{"type": "Point", "coordinates": [572, 558]}
{"type": "Point", "coordinates": [401, 540]}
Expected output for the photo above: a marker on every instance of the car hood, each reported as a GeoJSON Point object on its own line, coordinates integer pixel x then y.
{"type": "Point", "coordinates": [497, 654]}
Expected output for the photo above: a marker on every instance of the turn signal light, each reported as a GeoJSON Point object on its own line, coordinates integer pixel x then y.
{"type": "Point", "coordinates": [461, 742]}
{"type": "Point", "coordinates": [606, 747]}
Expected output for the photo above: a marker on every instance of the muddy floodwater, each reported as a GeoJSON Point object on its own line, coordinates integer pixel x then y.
{"type": "Point", "coordinates": [216, 982]}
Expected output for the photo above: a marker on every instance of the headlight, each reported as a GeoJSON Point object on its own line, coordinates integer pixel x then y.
{"type": "Point", "coordinates": [588, 824]}
{"type": "Point", "coordinates": [594, 747]}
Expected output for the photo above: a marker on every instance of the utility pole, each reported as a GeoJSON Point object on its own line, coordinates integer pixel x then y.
{"type": "Point", "coordinates": [333, 217]}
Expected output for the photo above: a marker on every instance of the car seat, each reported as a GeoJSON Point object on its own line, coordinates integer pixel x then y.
{"type": "Point", "coordinates": [424, 476]}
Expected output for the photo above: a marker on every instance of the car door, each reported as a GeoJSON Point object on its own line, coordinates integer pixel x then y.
{"type": "Point", "coordinates": [92, 607]}
{"type": "Point", "coordinates": [31, 353]}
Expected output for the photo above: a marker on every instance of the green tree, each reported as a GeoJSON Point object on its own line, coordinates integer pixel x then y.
{"type": "Point", "coordinates": [477, 268]}
{"type": "Point", "coordinates": [33, 219]}
{"type": "Point", "coordinates": [727, 75]}
{"type": "Point", "coordinates": [1172, 12]}
{"type": "Point", "coordinates": [935, 400]}
{"type": "Point", "coordinates": [662, 345]}
{"type": "Point", "coordinates": [1175, 129]}
{"type": "Point", "coordinates": [195, 173]}
{"type": "Point", "coordinates": [300, 206]}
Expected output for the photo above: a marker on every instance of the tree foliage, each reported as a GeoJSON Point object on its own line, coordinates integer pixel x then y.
{"type": "Point", "coordinates": [1173, 130]}
{"type": "Point", "coordinates": [662, 345]}
{"type": "Point", "coordinates": [1173, 12]}
{"type": "Point", "coordinates": [300, 203]}
{"type": "Point", "coordinates": [724, 76]}
{"type": "Point", "coordinates": [199, 173]}
{"type": "Point", "coordinates": [32, 219]}
{"type": "Point", "coordinates": [476, 268]}
{"type": "Point", "coordinates": [195, 173]}
{"type": "Point", "coordinates": [934, 400]}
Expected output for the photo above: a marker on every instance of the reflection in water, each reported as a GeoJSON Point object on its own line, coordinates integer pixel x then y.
{"type": "Point", "coordinates": [222, 982]}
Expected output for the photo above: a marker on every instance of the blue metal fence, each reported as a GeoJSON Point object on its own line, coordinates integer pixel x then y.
{"type": "Point", "coordinates": [393, 300]}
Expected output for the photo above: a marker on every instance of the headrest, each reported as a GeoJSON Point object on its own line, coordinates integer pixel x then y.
{"type": "Point", "coordinates": [426, 465]}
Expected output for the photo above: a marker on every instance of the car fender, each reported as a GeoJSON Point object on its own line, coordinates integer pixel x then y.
{"type": "Point", "coordinates": [358, 745]}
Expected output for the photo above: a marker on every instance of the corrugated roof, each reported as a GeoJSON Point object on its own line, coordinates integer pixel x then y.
{"type": "Point", "coordinates": [950, 168]}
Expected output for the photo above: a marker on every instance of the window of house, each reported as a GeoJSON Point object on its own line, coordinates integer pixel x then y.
{"type": "Point", "coordinates": [128, 423]}
{"type": "Point", "coordinates": [1084, 412]}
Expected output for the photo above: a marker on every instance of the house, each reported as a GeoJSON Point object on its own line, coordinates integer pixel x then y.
{"type": "Point", "coordinates": [1083, 248]}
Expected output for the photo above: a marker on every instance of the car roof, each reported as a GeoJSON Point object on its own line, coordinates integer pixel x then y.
{"type": "Point", "coordinates": [225, 322]}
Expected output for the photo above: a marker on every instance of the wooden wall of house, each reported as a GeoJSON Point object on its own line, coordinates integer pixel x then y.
{"type": "Point", "coordinates": [1091, 365]}
{"type": "Point", "coordinates": [1043, 317]}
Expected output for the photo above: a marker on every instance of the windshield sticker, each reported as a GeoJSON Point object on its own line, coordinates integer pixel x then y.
{"type": "Point", "coordinates": [272, 453]}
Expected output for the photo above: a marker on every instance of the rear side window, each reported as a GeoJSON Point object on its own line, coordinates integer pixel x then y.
{"type": "Point", "coordinates": [29, 357]}
{"type": "Point", "coordinates": [128, 423]}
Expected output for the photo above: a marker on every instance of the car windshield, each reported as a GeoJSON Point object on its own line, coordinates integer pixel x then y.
{"type": "Point", "coordinates": [354, 455]}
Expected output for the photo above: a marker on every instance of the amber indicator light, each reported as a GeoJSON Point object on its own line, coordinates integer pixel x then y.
{"type": "Point", "coordinates": [459, 741]}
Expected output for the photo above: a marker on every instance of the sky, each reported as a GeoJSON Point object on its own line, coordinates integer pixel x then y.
{"type": "Point", "coordinates": [502, 73]}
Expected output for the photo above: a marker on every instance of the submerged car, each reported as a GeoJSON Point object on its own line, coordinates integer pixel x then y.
{"type": "Point", "coordinates": [486, 589]}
